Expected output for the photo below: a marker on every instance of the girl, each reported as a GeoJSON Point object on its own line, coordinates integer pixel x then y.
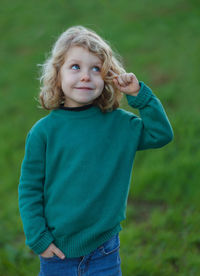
{"type": "Point", "coordinates": [76, 171]}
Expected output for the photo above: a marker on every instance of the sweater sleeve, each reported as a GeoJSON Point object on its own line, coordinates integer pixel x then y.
{"type": "Point", "coordinates": [30, 194]}
{"type": "Point", "coordinates": [156, 130]}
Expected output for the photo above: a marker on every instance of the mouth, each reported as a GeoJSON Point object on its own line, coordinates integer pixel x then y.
{"type": "Point", "coordinates": [84, 88]}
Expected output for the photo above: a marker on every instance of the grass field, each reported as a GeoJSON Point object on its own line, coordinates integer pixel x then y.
{"type": "Point", "coordinates": [160, 43]}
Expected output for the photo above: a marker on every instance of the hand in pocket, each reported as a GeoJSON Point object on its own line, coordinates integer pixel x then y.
{"type": "Point", "coordinates": [51, 251]}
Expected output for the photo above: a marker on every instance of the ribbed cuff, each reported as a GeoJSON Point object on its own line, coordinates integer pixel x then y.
{"type": "Point", "coordinates": [142, 97]}
{"type": "Point", "coordinates": [43, 243]}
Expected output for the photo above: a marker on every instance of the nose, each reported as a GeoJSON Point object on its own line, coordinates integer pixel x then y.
{"type": "Point", "coordinates": [85, 76]}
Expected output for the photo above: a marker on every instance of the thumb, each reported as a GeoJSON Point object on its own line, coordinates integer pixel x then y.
{"type": "Point", "coordinates": [57, 251]}
{"type": "Point", "coordinates": [116, 82]}
{"type": "Point", "coordinates": [117, 85]}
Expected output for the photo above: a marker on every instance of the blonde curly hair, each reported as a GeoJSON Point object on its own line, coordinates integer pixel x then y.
{"type": "Point", "coordinates": [51, 95]}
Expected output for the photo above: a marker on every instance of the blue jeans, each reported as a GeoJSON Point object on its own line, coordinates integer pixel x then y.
{"type": "Point", "coordinates": [104, 261]}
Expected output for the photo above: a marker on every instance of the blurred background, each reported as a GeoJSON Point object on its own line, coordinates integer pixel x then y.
{"type": "Point", "coordinates": [159, 42]}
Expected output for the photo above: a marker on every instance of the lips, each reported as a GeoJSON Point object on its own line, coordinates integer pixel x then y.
{"type": "Point", "coordinates": [84, 88]}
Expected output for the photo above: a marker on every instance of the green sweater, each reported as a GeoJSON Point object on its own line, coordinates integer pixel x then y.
{"type": "Point", "coordinates": [76, 171]}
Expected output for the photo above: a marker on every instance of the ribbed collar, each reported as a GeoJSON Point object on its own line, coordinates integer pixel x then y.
{"type": "Point", "coordinates": [84, 111]}
{"type": "Point", "coordinates": [79, 108]}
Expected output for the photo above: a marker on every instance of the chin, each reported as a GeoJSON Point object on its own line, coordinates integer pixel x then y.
{"type": "Point", "coordinates": [86, 101]}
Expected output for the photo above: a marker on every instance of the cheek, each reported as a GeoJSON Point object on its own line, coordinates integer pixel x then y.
{"type": "Point", "coordinates": [101, 84]}
{"type": "Point", "coordinates": [68, 81]}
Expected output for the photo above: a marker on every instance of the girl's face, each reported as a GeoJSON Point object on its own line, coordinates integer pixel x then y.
{"type": "Point", "coordinates": [81, 79]}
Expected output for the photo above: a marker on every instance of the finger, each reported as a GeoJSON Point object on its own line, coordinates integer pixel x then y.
{"type": "Point", "coordinates": [58, 252]}
{"type": "Point", "coordinates": [116, 84]}
{"type": "Point", "coordinates": [47, 255]}
{"type": "Point", "coordinates": [125, 78]}
{"type": "Point", "coordinates": [120, 81]}
{"type": "Point", "coordinates": [130, 77]}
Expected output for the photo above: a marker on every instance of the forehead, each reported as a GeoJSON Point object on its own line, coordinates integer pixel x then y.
{"type": "Point", "coordinates": [80, 54]}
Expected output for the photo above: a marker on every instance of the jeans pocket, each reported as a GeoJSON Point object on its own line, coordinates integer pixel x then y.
{"type": "Point", "coordinates": [110, 246]}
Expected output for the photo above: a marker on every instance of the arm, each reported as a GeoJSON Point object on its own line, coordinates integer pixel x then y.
{"type": "Point", "coordinates": [156, 130]}
{"type": "Point", "coordinates": [30, 194]}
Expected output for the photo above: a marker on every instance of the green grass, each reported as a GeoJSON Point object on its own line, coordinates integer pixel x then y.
{"type": "Point", "coordinates": [159, 42]}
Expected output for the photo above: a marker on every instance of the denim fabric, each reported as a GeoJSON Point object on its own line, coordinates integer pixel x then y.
{"type": "Point", "coordinates": [104, 261]}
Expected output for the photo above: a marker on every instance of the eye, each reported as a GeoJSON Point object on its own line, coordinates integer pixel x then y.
{"type": "Point", "coordinates": [74, 65]}
{"type": "Point", "coordinates": [98, 68]}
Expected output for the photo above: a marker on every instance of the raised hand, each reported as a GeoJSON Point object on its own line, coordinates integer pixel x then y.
{"type": "Point", "coordinates": [126, 83]}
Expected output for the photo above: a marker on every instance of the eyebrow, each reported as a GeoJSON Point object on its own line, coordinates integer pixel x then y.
{"type": "Point", "coordinates": [76, 60]}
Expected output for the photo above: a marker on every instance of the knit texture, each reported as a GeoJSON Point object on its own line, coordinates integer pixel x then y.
{"type": "Point", "coordinates": [76, 171]}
